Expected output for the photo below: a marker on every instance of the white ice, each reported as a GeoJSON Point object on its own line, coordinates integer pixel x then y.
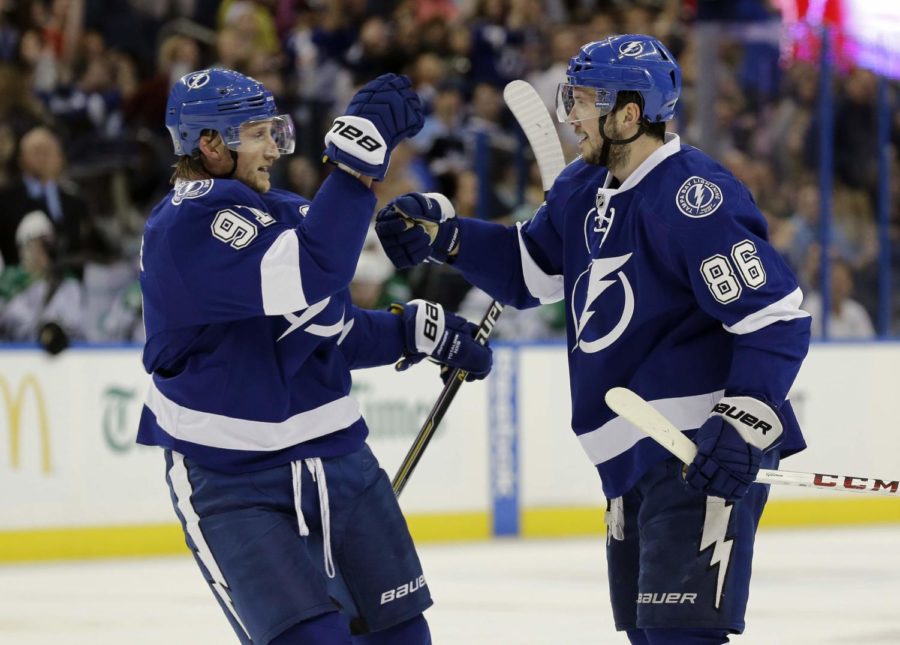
{"type": "Point", "coordinates": [810, 587]}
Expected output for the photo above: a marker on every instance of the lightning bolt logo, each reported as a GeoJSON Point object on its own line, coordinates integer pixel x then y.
{"type": "Point", "coordinates": [224, 593]}
{"type": "Point", "coordinates": [597, 283]}
{"type": "Point", "coordinates": [715, 525]}
{"type": "Point", "coordinates": [698, 195]}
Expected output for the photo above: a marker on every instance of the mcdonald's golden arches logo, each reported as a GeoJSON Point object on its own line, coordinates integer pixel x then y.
{"type": "Point", "coordinates": [13, 401]}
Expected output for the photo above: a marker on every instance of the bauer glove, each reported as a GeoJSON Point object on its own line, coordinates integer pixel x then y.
{"type": "Point", "coordinates": [447, 338]}
{"type": "Point", "coordinates": [730, 446]}
{"type": "Point", "coordinates": [417, 226]}
{"type": "Point", "coordinates": [380, 115]}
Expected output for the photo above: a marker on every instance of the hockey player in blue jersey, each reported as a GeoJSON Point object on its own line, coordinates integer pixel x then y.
{"type": "Point", "coordinates": [672, 290]}
{"type": "Point", "coordinates": [251, 336]}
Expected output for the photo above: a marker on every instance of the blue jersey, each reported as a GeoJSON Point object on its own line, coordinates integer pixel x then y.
{"type": "Point", "coordinates": [671, 290]}
{"type": "Point", "coordinates": [251, 334]}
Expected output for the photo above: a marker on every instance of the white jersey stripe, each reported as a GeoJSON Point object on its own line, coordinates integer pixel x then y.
{"type": "Point", "coordinates": [788, 308]}
{"type": "Point", "coordinates": [546, 288]}
{"type": "Point", "coordinates": [182, 490]}
{"type": "Point", "coordinates": [219, 431]}
{"type": "Point", "coordinates": [282, 290]}
{"type": "Point", "coordinates": [617, 435]}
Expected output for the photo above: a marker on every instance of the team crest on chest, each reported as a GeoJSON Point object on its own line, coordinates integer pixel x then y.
{"type": "Point", "coordinates": [698, 197]}
{"type": "Point", "coordinates": [594, 333]}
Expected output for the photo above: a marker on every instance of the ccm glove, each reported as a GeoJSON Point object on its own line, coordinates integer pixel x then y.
{"type": "Point", "coordinates": [380, 115]}
{"type": "Point", "coordinates": [447, 338]}
{"type": "Point", "coordinates": [417, 226]}
{"type": "Point", "coordinates": [730, 445]}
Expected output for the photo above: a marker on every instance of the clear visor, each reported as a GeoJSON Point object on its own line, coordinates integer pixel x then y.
{"type": "Point", "coordinates": [576, 103]}
{"type": "Point", "coordinates": [277, 131]}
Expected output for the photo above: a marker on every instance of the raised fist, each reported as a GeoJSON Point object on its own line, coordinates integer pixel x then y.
{"type": "Point", "coordinates": [380, 115]}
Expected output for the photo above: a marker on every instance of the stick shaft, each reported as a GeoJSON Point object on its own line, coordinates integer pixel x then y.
{"type": "Point", "coordinates": [531, 113]}
{"type": "Point", "coordinates": [457, 377]}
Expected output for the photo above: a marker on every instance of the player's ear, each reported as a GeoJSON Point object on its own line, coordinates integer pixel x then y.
{"type": "Point", "coordinates": [211, 145]}
{"type": "Point", "coordinates": [632, 114]}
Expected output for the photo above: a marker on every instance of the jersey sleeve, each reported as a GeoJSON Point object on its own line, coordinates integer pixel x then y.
{"type": "Point", "coordinates": [233, 259]}
{"type": "Point", "coordinates": [374, 338]}
{"type": "Point", "coordinates": [738, 278]}
{"type": "Point", "coordinates": [519, 265]}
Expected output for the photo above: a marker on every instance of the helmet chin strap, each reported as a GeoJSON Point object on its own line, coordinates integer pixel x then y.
{"type": "Point", "coordinates": [608, 143]}
{"type": "Point", "coordinates": [229, 174]}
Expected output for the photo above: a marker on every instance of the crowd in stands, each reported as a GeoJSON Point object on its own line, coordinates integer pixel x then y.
{"type": "Point", "coordinates": [84, 154]}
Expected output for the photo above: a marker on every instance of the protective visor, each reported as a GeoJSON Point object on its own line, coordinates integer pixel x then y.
{"type": "Point", "coordinates": [261, 133]}
{"type": "Point", "coordinates": [576, 103]}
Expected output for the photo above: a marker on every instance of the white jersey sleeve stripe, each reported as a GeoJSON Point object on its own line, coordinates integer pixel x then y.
{"type": "Point", "coordinates": [282, 290]}
{"type": "Point", "coordinates": [219, 431]}
{"type": "Point", "coordinates": [546, 288]}
{"type": "Point", "coordinates": [617, 435]}
{"type": "Point", "coordinates": [788, 308]}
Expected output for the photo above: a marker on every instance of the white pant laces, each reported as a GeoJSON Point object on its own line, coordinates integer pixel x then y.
{"type": "Point", "coordinates": [314, 465]}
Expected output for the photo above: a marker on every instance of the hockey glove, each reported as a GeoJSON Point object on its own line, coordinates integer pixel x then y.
{"type": "Point", "coordinates": [380, 115]}
{"type": "Point", "coordinates": [730, 446]}
{"type": "Point", "coordinates": [445, 337]}
{"type": "Point", "coordinates": [417, 226]}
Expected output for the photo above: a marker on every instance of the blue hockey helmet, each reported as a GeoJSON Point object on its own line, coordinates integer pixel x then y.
{"type": "Point", "coordinates": [222, 100]}
{"type": "Point", "coordinates": [628, 62]}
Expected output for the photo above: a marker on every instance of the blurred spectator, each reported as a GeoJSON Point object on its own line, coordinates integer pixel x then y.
{"type": "Point", "coordinates": [42, 293]}
{"type": "Point", "coordinates": [847, 318]}
{"type": "Point", "coordinates": [373, 53]}
{"type": "Point", "coordinates": [146, 107]}
{"type": "Point", "coordinates": [19, 108]}
{"type": "Point", "coordinates": [499, 34]}
{"type": "Point", "coordinates": [42, 187]}
{"type": "Point", "coordinates": [441, 141]}
{"type": "Point", "coordinates": [98, 72]}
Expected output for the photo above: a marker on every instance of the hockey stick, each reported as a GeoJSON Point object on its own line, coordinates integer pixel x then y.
{"type": "Point", "coordinates": [535, 121]}
{"type": "Point", "coordinates": [633, 408]}
{"type": "Point", "coordinates": [456, 379]}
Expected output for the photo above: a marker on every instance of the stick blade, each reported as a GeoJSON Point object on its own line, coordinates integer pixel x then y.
{"type": "Point", "coordinates": [532, 115]}
{"type": "Point", "coordinates": [647, 419]}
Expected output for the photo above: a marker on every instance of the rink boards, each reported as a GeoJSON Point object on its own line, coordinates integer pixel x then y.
{"type": "Point", "coordinates": [503, 462]}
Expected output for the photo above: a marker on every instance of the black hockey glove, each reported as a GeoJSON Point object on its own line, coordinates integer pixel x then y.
{"type": "Point", "coordinates": [381, 114]}
{"type": "Point", "coordinates": [447, 338]}
{"type": "Point", "coordinates": [417, 226]}
{"type": "Point", "coordinates": [730, 446]}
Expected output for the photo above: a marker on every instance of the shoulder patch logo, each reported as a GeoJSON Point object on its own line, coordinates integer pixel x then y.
{"type": "Point", "coordinates": [191, 190]}
{"type": "Point", "coordinates": [698, 197]}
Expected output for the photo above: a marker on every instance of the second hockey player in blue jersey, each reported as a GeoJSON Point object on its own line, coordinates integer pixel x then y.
{"type": "Point", "coordinates": [251, 336]}
{"type": "Point", "coordinates": [672, 290]}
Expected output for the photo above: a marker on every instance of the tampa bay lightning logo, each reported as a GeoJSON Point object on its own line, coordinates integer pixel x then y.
{"type": "Point", "coordinates": [632, 48]}
{"type": "Point", "coordinates": [191, 190]}
{"type": "Point", "coordinates": [603, 273]}
{"type": "Point", "coordinates": [304, 321]}
{"type": "Point", "coordinates": [198, 80]}
{"type": "Point", "coordinates": [698, 197]}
